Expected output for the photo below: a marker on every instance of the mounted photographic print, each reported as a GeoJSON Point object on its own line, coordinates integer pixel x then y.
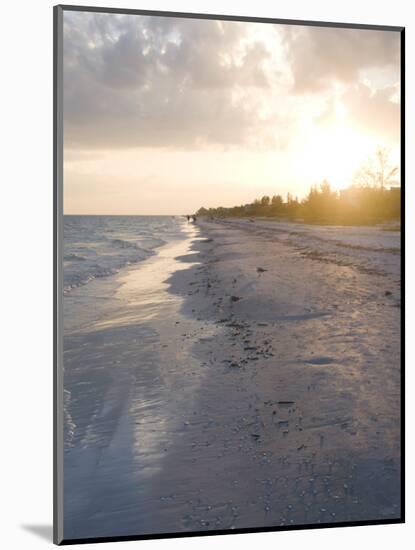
{"type": "Point", "coordinates": [228, 328]}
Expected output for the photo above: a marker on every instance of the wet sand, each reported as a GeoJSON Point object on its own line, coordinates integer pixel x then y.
{"type": "Point", "coordinates": [245, 379]}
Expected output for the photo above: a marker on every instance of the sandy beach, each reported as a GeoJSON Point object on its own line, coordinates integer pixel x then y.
{"type": "Point", "coordinates": [245, 376]}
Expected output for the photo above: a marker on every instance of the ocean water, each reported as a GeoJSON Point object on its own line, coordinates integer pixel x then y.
{"type": "Point", "coordinates": [99, 246]}
{"type": "Point", "coordinates": [96, 248]}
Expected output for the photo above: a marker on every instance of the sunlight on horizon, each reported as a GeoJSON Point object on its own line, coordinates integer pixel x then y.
{"type": "Point", "coordinates": [335, 153]}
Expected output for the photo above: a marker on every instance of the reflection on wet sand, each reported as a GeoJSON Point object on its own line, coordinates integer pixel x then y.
{"type": "Point", "coordinates": [126, 377]}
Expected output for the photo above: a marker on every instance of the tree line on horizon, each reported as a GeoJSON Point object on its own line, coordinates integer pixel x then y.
{"type": "Point", "coordinates": [372, 198]}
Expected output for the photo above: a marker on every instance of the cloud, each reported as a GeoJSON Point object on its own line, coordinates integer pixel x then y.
{"type": "Point", "coordinates": [138, 81]}
{"type": "Point", "coordinates": [320, 56]}
{"type": "Point", "coordinates": [374, 111]}
{"type": "Point", "coordinates": [150, 81]}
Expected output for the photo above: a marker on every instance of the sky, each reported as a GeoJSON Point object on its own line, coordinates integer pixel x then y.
{"type": "Point", "coordinates": [164, 115]}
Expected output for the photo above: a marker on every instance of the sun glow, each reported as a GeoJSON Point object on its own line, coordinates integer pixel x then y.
{"type": "Point", "coordinates": [334, 153]}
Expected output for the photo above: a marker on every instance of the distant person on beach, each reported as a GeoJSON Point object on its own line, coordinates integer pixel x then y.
{"type": "Point", "coordinates": [188, 218]}
{"type": "Point", "coordinates": [194, 218]}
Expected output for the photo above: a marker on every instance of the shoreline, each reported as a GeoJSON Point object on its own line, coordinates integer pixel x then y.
{"type": "Point", "coordinates": [264, 392]}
